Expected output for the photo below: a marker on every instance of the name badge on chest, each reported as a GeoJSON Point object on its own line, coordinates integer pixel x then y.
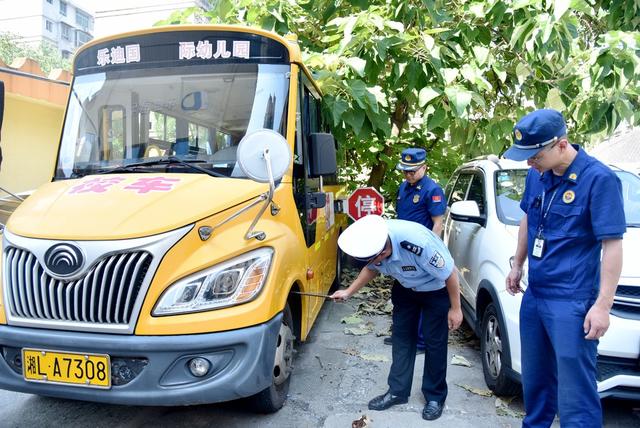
{"type": "Point", "coordinates": [538, 247]}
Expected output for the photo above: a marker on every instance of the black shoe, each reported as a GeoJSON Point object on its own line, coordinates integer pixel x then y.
{"type": "Point", "coordinates": [386, 400]}
{"type": "Point", "coordinates": [387, 340]}
{"type": "Point", "coordinates": [432, 410]}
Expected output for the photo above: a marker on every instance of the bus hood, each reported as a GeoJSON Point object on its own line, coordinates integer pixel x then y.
{"type": "Point", "coordinates": [121, 206]}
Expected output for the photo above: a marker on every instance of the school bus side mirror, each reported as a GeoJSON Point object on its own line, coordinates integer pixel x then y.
{"type": "Point", "coordinates": [322, 155]}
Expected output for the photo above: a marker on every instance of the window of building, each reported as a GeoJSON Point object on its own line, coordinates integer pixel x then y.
{"type": "Point", "coordinates": [82, 19]}
{"type": "Point", "coordinates": [48, 25]}
{"type": "Point", "coordinates": [63, 8]}
{"type": "Point", "coordinates": [65, 31]}
{"type": "Point", "coordinates": [82, 38]}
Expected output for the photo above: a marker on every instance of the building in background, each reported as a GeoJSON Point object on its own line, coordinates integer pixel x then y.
{"type": "Point", "coordinates": [63, 24]}
{"type": "Point", "coordinates": [621, 150]}
{"type": "Point", "coordinates": [116, 16]}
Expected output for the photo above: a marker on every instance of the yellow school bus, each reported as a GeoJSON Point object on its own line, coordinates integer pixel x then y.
{"type": "Point", "coordinates": [192, 201]}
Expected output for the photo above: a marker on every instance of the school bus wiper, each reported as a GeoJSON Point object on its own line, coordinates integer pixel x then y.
{"type": "Point", "coordinates": [164, 161]}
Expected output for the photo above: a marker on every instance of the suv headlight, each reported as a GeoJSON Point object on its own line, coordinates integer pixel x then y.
{"type": "Point", "coordinates": [235, 281]}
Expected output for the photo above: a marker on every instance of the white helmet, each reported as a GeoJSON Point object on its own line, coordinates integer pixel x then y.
{"type": "Point", "coordinates": [365, 238]}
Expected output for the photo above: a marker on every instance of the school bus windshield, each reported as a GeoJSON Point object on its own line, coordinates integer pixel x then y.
{"type": "Point", "coordinates": [197, 113]}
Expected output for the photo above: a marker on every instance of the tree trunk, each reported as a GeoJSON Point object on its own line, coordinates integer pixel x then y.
{"type": "Point", "coordinates": [398, 121]}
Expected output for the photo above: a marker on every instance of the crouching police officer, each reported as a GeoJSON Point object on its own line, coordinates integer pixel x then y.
{"type": "Point", "coordinates": [573, 214]}
{"type": "Point", "coordinates": [427, 283]}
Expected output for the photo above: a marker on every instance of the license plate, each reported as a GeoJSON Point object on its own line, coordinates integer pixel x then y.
{"type": "Point", "coordinates": [90, 370]}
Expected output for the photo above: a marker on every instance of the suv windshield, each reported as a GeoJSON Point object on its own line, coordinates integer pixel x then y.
{"type": "Point", "coordinates": [198, 114]}
{"type": "Point", "coordinates": [509, 190]}
{"type": "Point", "coordinates": [631, 197]}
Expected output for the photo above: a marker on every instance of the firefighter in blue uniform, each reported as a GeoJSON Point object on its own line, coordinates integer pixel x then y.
{"type": "Point", "coordinates": [420, 199]}
{"type": "Point", "coordinates": [428, 285]}
{"type": "Point", "coordinates": [572, 235]}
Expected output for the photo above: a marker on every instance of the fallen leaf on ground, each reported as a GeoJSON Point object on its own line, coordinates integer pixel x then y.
{"type": "Point", "coordinates": [503, 409]}
{"type": "Point", "coordinates": [374, 357]}
{"type": "Point", "coordinates": [352, 319]}
{"type": "Point", "coordinates": [459, 360]}
{"type": "Point", "coordinates": [351, 351]}
{"type": "Point", "coordinates": [477, 391]}
{"type": "Point", "coordinates": [363, 422]}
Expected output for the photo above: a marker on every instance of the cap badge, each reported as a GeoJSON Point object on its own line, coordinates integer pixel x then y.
{"type": "Point", "coordinates": [573, 176]}
{"type": "Point", "coordinates": [416, 198]}
{"type": "Point", "coordinates": [568, 196]}
{"type": "Point", "coordinates": [517, 134]}
{"type": "Point", "coordinates": [407, 158]}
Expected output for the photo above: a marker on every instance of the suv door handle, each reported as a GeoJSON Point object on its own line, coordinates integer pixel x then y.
{"type": "Point", "coordinates": [457, 229]}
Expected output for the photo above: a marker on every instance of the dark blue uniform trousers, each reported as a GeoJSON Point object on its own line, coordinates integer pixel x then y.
{"type": "Point", "coordinates": [558, 364]}
{"type": "Point", "coordinates": [407, 306]}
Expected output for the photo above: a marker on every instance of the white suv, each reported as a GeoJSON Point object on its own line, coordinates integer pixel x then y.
{"type": "Point", "coordinates": [481, 232]}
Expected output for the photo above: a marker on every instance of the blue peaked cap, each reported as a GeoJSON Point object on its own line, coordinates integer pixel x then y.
{"type": "Point", "coordinates": [535, 131]}
{"type": "Point", "coordinates": [411, 159]}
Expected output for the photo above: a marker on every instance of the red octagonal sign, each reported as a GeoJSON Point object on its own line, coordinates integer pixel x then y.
{"type": "Point", "coordinates": [365, 201]}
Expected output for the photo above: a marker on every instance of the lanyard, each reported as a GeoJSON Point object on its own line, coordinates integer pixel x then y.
{"type": "Point", "coordinates": [544, 212]}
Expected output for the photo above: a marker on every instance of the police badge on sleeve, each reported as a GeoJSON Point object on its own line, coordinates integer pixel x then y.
{"type": "Point", "coordinates": [437, 261]}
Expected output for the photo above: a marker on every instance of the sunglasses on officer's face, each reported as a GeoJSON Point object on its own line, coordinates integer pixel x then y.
{"type": "Point", "coordinates": [411, 172]}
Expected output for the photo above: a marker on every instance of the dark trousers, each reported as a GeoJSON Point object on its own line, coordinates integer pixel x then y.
{"type": "Point", "coordinates": [558, 364]}
{"type": "Point", "coordinates": [407, 307]}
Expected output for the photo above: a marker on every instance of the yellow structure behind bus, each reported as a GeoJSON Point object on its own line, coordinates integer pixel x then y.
{"type": "Point", "coordinates": [192, 199]}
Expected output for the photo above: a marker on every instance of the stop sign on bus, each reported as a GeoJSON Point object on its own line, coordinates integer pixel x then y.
{"type": "Point", "coordinates": [365, 201]}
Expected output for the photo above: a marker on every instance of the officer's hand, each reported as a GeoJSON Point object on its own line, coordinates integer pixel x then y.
{"type": "Point", "coordinates": [512, 281]}
{"type": "Point", "coordinates": [454, 318]}
{"type": "Point", "coordinates": [340, 296]}
{"type": "Point", "coordinates": [596, 323]}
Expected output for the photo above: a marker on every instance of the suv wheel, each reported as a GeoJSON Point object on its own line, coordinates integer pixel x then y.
{"type": "Point", "coordinates": [493, 342]}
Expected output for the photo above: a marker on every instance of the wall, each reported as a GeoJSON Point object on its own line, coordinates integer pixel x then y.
{"type": "Point", "coordinates": [34, 111]}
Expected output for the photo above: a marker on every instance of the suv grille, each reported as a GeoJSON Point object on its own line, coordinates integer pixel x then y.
{"type": "Point", "coordinates": [106, 294]}
{"type": "Point", "coordinates": [627, 302]}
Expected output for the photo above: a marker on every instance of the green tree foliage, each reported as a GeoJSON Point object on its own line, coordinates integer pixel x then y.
{"type": "Point", "coordinates": [454, 76]}
{"type": "Point", "coordinates": [46, 55]}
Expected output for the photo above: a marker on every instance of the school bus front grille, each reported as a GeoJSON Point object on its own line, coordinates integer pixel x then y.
{"type": "Point", "coordinates": [106, 294]}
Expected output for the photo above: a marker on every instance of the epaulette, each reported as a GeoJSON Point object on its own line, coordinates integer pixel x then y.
{"type": "Point", "coordinates": [415, 249]}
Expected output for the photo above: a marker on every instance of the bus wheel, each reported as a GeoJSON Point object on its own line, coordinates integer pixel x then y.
{"type": "Point", "coordinates": [271, 399]}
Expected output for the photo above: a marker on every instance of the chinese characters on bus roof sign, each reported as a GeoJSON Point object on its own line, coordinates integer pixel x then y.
{"type": "Point", "coordinates": [202, 49]}
{"type": "Point", "coordinates": [119, 55]}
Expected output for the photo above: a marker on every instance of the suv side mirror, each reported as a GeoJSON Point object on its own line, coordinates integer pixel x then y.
{"type": "Point", "coordinates": [467, 211]}
{"type": "Point", "coordinates": [322, 155]}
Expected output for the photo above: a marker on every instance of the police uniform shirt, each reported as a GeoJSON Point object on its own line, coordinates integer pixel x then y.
{"type": "Point", "coordinates": [582, 207]}
{"type": "Point", "coordinates": [419, 259]}
{"type": "Point", "coordinates": [420, 202]}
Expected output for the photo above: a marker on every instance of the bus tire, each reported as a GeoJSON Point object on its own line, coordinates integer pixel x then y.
{"type": "Point", "coordinates": [272, 398]}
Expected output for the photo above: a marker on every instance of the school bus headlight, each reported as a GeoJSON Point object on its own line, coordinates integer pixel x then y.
{"type": "Point", "coordinates": [233, 282]}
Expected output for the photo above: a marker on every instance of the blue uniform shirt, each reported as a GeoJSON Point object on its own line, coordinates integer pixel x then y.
{"type": "Point", "coordinates": [575, 212]}
{"type": "Point", "coordinates": [419, 259]}
{"type": "Point", "coordinates": [421, 201]}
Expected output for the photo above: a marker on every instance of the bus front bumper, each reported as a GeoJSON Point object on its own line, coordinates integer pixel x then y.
{"type": "Point", "coordinates": [151, 370]}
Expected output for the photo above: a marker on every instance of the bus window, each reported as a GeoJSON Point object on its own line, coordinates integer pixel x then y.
{"type": "Point", "coordinates": [113, 132]}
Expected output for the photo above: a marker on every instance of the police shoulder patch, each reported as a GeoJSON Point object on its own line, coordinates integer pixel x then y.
{"type": "Point", "coordinates": [415, 249]}
{"type": "Point", "coordinates": [437, 261]}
